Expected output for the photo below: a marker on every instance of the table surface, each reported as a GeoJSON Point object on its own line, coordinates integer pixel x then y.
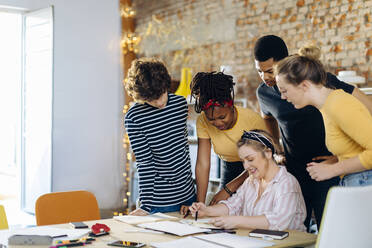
{"type": "Point", "coordinates": [118, 232]}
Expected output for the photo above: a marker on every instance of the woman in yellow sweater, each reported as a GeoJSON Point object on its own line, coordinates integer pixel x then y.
{"type": "Point", "coordinates": [220, 124]}
{"type": "Point", "coordinates": [348, 123]}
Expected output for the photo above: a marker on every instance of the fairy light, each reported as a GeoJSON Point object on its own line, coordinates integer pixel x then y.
{"type": "Point", "coordinates": [130, 42]}
{"type": "Point", "coordinates": [127, 11]}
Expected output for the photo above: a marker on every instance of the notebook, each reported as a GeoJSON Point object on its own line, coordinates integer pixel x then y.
{"type": "Point", "coordinates": [133, 220]}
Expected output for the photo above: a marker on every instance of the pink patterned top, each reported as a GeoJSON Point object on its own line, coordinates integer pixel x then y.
{"type": "Point", "coordinates": [282, 202]}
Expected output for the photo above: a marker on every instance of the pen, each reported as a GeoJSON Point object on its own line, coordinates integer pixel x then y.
{"type": "Point", "coordinates": [72, 244]}
{"type": "Point", "coordinates": [187, 213]}
{"type": "Point", "coordinates": [75, 240]}
{"type": "Point", "coordinates": [196, 216]}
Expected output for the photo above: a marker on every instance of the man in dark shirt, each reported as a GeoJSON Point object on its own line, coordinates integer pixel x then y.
{"type": "Point", "coordinates": [301, 130]}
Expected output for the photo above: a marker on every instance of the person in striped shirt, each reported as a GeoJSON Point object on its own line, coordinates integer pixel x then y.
{"type": "Point", "coordinates": [270, 198]}
{"type": "Point", "coordinates": [156, 127]}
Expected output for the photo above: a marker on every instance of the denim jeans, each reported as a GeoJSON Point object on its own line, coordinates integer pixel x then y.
{"type": "Point", "coordinates": [363, 178]}
{"type": "Point", "coordinates": [173, 208]}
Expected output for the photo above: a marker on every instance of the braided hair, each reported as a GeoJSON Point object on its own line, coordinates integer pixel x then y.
{"type": "Point", "coordinates": [211, 86]}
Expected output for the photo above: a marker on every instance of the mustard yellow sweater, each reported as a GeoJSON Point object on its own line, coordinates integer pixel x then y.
{"type": "Point", "coordinates": [224, 141]}
{"type": "Point", "coordinates": [348, 126]}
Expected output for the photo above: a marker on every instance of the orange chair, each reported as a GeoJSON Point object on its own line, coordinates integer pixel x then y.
{"type": "Point", "coordinates": [3, 219]}
{"type": "Point", "coordinates": [64, 207]}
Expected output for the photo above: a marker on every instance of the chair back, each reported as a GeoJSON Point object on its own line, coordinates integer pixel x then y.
{"type": "Point", "coordinates": [3, 219]}
{"type": "Point", "coordinates": [64, 207]}
{"type": "Point", "coordinates": [347, 218]}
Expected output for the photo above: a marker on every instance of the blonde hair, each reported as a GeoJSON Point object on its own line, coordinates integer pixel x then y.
{"type": "Point", "coordinates": [310, 51]}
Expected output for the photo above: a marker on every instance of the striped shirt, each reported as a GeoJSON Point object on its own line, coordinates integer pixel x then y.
{"type": "Point", "coordinates": [282, 202]}
{"type": "Point", "coordinates": [158, 138]}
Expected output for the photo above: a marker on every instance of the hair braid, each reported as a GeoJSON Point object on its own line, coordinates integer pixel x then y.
{"type": "Point", "coordinates": [216, 86]}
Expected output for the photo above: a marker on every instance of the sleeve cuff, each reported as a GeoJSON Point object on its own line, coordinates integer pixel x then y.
{"type": "Point", "coordinates": [366, 164]}
{"type": "Point", "coordinates": [146, 208]}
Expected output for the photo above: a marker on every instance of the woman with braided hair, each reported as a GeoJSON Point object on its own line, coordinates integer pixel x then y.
{"type": "Point", "coordinates": [270, 198]}
{"type": "Point", "coordinates": [220, 124]}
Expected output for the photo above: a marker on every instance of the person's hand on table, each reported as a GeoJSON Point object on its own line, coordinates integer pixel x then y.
{"type": "Point", "coordinates": [198, 207]}
{"type": "Point", "coordinates": [226, 222]}
{"type": "Point", "coordinates": [184, 209]}
{"type": "Point", "coordinates": [139, 212]}
{"type": "Point", "coordinates": [219, 196]}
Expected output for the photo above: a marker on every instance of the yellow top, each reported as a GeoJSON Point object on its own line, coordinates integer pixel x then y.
{"type": "Point", "coordinates": [224, 141]}
{"type": "Point", "coordinates": [348, 126]}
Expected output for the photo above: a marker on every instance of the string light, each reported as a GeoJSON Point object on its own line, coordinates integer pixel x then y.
{"type": "Point", "coordinates": [127, 11]}
{"type": "Point", "coordinates": [127, 174]}
{"type": "Point", "coordinates": [130, 42]}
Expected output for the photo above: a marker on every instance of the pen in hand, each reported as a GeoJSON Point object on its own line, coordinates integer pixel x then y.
{"type": "Point", "coordinates": [187, 213]}
{"type": "Point", "coordinates": [196, 216]}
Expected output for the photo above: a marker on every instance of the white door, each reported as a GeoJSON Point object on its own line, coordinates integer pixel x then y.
{"type": "Point", "coordinates": [37, 93]}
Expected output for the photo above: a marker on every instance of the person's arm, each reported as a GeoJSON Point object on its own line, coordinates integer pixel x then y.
{"type": "Point", "coordinates": [202, 168]}
{"type": "Point", "coordinates": [203, 210]}
{"type": "Point", "coordinates": [246, 222]}
{"type": "Point", "coordinates": [145, 164]}
{"type": "Point", "coordinates": [232, 186]}
{"type": "Point", "coordinates": [272, 126]}
{"type": "Point", "coordinates": [363, 98]}
{"type": "Point", "coordinates": [358, 131]}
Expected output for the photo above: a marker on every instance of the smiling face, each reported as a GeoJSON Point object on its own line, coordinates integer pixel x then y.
{"type": "Point", "coordinates": [255, 162]}
{"type": "Point", "coordinates": [266, 72]}
{"type": "Point", "coordinates": [161, 102]}
{"type": "Point", "coordinates": [221, 117]}
{"type": "Point", "coordinates": [294, 94]}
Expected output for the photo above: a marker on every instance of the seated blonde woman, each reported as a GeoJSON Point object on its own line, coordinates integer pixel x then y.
{"type": "Point", "coordinates": [269, 198]}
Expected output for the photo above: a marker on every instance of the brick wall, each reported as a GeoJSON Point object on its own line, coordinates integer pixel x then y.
{"type": "Point", "coordinates": [205, 34]}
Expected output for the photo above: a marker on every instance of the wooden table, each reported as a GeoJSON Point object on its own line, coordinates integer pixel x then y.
{"type": "Point", "coordinates": [295, 238]}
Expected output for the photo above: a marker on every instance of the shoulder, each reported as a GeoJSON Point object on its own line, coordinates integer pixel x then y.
{"type": "Point", "coordinates": [176, 99]}
{"type": "Point", "coordinates": [134, 110]}
{"type": "Point", "coordinates": [262, 89]}
{"type": "Point", "coordinates": [286, 182]}
{"type": "Point", "coordinates": [248, 111]}
{"type": "Point", "coordinates": [201, 120]}
{"type": "Point", "coordinates": [340, 103]}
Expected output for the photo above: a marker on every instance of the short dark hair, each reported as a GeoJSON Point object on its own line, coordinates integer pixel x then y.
{"type": "Point", "coordinates": [147, 79]}
{"type": "Point", "coordinates": [216, 86]}
{"type": "Point", "coordinates": [270, 46]}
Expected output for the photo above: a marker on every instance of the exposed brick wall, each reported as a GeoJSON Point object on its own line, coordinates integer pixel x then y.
{"type": "Point", "coordinates": [341, 28]}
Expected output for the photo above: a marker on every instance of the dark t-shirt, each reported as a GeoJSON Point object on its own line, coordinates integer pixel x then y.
{"type": "Point", "coordinates": [302, 130]}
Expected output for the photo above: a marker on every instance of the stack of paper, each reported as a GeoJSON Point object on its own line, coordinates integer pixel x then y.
{"type": "Point", "coordinates": [172, 227]}
{"type": "Point", "coordinates": [202, 223]}
{"type": "Point", "coordinates": [133, 220]}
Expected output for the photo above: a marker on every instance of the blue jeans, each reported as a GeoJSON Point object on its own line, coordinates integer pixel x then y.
{"type": "Point", "coordinates": [173, 208]}
{"type": "Point", "coordinates": [363, 178]}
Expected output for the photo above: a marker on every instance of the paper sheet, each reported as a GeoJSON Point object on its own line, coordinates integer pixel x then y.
{"type": "Point", "coordinates": [133, 220]}
{"type": "Point", "coordinates": [235, 241]}
{"type": "Point", "coordinates": [186, 243]}
{"type": "Point", "coordinates": [202, 223]}
{"type": "Point", "coordinates": [172, 227]}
